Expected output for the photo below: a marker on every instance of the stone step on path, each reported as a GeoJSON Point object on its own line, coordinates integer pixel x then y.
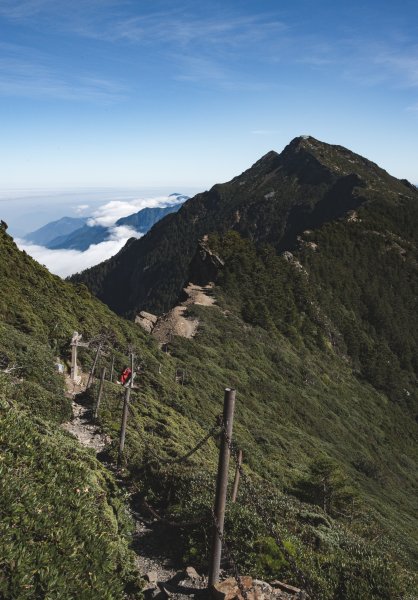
{"type": "Point", "coordinates": [166, 580]}
{"type": "Point", "coordinates": [256, 589]}
{"type": "Point", "coordinates": [156, 562]}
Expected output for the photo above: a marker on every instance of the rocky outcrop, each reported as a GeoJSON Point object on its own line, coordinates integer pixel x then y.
{"type": "Point", "coordinates": [146, 320]}
{"type": "Point", "coordinates": [255, 590]}
{"type": "Point", "coordinates": [205, 265]}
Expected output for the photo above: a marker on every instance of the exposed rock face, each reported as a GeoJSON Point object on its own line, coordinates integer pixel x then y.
{"type": "Point", "coordinates": [175, 322]}
{"type": "Point", "coordinates": [256, 590]}
{"type": "Point", "coordinates": [205, 264]}
{"type": "Point", "coordinates": [146, 320]}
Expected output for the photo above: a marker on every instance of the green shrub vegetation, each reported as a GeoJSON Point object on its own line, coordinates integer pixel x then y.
{"type": "Point", "coordinates": [64, 527]}
{"type": "Point", "coordinates": [321, 345]}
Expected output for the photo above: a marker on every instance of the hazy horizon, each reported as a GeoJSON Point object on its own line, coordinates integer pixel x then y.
{"type": "Point", "coordinates": [103, 207]}
{"type": "Point", "coordinates": [28, 209]}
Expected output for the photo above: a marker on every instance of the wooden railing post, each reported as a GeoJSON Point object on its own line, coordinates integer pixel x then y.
{"type": "Point", "coordinates": [91, 374]}
{"type": "Point", "coordinates": [112, 368]}
{"type": "Point", "coordinates": [99, 395]}
{"type": "Point", "coordinates": [237, 476]}
{"type": "Point", "coordinates": [221, 487]}
{"type": "Point", "coordinates": [125, 414]}
{"type": "Point", "coordinates": [74, 372]}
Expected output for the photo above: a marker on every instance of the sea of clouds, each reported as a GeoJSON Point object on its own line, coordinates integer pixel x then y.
{"type": "Point", "coordinates": [68, 262]}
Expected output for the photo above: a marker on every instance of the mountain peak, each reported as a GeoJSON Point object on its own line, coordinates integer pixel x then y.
{"type": "Point", "coordinates": [306, 155]}
{"type": "Point", "coordinates": [281, 195]}
{"type": "Point", "coordinates": [311, 145]}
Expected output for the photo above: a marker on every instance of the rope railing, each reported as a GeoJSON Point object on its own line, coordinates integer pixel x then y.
{"type": "Point", "coordinates": [185, 457]}
{"type": "Point", "coordinates": [161, 519]}
{"type": "Point", "coordinates": [253, 500]}
{"type": "Point", "coordinates": [260, 510]}
{"type": "Point", "coordinates": [220, 429]}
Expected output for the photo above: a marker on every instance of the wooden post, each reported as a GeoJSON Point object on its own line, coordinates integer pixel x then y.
{"type": "Point", "coordinates": [74, 373]}
{"type": "Point", "coordinates": [236, 480]}
{"type": "Point", "coordinates": [112, 369]}
{"type": "Point", "coordinates": [125, 413]}
{"type": "Point", "coordinates": [99, 395]}
{"type": "Point", "coordinates": [75, 342]}
{"type": "Point", "coordinates": [91, 374]}
{"type": "Point", "coordinates": [221, 487]}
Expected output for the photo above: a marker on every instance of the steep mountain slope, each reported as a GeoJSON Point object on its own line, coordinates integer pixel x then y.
{"type": "Point", "coordinates": [352, 227]}
{"type": "Point", "coordinates": [63, 523]}
{"type": "Point", "coordinates": [305, 422]}
{"type": "Point", "coordinates": [317, 253]}
{"type": "Point", "coordinates": [280, 196]}
{"type": "Point", "coordinates": [62, 227]}
{"type": "Point", "coordinates": [320, 342]}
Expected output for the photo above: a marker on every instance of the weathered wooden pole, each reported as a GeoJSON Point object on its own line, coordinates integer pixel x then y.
{"type": "Point", "coordinates": [236, 479]}
{"type": "Point", "coordinates": [74, 373]}
{"type": "Point", "coordinates": [112, 369]}
{"type": "Point", "coordinates": [221, 487]}
{"type": "Point", "coordinates": [75, 342]}
{"type": "Point", "coordinates": [99, 395]}
{"type": "Point", "coordinates": [91, 374]}
{"type": "Point", "coordinates": [125, 413]}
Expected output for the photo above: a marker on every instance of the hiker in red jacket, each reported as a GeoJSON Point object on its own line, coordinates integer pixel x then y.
{"type": "Point", "coordinates": [125, 376]}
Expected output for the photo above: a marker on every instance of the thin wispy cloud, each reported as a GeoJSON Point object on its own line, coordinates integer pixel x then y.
{"type": "Point", "coordinates": [402, 64]}
{"type": "Point", "coordinates": [60, 10]}
{"type": "Point", "coordinates": [265, 132]}
{"type": "Point", "coordinates": [198, 47]}
{"type": "Point", "coordinates": [35, 78]}
{"type": "Point", "coordinates": [201, 48]}
{"type": "Point", "coordinates": [184, 30]}
{"type": "Point", "coordinates": [15, 9]}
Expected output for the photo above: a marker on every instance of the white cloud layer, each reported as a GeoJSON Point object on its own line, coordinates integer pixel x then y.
{"type": "Point", "coordinates": [68, 262]}
{"type": "Point", "coordinates": [81, 208]}
{"type": "Point", "coordinates": [109, 213]}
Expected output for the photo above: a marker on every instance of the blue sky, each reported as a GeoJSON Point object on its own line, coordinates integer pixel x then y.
{"type": "Point", "coordinates": [131, 93]}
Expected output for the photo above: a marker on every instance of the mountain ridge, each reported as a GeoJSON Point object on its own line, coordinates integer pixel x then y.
{"type": "Point", "coordinates": [273, 201]}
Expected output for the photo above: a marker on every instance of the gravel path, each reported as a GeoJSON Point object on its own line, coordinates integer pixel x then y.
{"type": "Point", "coordinates": [81, 425]}
{"type": "Point", "coordinates": [84, 430]}
{"type": "Point", "coordinates": [156, 545]}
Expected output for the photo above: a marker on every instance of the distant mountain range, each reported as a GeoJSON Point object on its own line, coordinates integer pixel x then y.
{"type": "Point", "coordinates": [49, 232]}
{"type": "Point", "coordinates": [75, 234]}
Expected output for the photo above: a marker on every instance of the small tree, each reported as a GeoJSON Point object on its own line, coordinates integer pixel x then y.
{"type": "Point", "coordinates": [328, 486]}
